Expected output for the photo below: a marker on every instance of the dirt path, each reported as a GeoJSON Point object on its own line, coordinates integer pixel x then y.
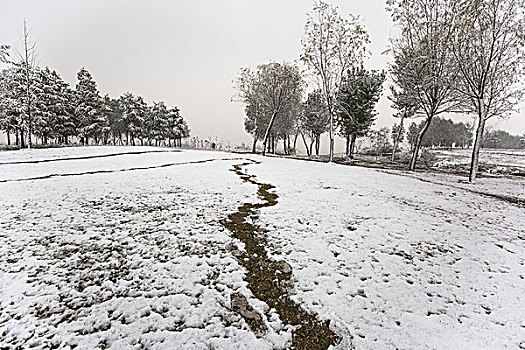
{"type": "Point", "coordinates": [116, 170]}
{"type": "Point", "coordinates": [36, 161]}
{"type": "Point", "coordinates": [269, 280]}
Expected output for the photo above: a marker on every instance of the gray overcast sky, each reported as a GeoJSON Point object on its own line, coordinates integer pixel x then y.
{"type": "Point", "coordinates": [183, 52]}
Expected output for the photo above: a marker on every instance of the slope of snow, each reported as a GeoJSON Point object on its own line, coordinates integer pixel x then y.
{"type": "Point", "coordinates": [124, 260]}
{"type": "Point", "coordinates": [396, 262]}
{"type": "Point", "coordinates": [128, 259]}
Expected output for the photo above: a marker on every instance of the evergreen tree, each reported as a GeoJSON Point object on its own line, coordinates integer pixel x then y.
{"type": "Point", "coordinates": [158, 122]}
{"type": "Point", "coordinates": [134, 111]}
{"type": "Point", "coordinates": [356, 101]}
{"type": "Point", "coordinates": [113, 114]}
{"type": "Point", "coordinates": [177, 127]}
{"type": "Point", "coordinates": [89, 108]}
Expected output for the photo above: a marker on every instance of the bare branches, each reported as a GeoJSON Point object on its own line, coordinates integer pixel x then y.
{"type": "Point", "coordinates": [268, 92]}
{"type": "Point", "coordinates": [488, 47]}
{"type": "Point", "coordinates": [332, 45]}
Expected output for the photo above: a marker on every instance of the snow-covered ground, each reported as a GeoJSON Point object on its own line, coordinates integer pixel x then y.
{"type": "Point", "coordinates": [127, 251]}
{"type": "Point", "coordinates": [495, 160]}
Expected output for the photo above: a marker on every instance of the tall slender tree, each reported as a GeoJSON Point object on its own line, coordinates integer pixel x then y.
{"type": "Point", "coordinates": [332, 45]}
{"type": "Point", "coordinates": [28, 64]}
{"type": "Point", "coordinates": [424, 66]}
{"type": "Point", "coordinates": [88, 108]}
{"type": "Point", "coordinates": [488, 47]}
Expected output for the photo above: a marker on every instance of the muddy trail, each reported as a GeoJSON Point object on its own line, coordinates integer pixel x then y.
{"type": "Point", "coordinates": [37, 161]}
{"type": "Point", "coordinates": [94, 172]}
{"type": "Point", "coordinates": [269, 280]}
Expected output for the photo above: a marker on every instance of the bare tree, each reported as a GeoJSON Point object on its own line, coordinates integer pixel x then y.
{"type": "Point", "coordinates": [488, 46]}
{"type": "Point", "coordinates": [331, 46]}
{"type": "Point", "coordinates": [424, 64]}
{"type": "Point", "coordinates": [28, 62]}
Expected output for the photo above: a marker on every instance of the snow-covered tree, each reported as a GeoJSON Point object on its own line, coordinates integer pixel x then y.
{"type": "Point", "coordinates": [272, 89]}
{"type": "Point", "coordinates": [28, 64]}
{"type": "Point", "coordinates": [331, 46]}
{"type": "Point", "coordinates": [88, 109]}
{"type": "Point", "coordinates": [315, 121]}
{"type": "Point", "coordinates": [424, 66]}
{"type": "Point", "coordinates": [18, 100]}
{"type": "Point", "coordinates": [4, 53]}
{"type": "Point", "coordinates": [355, 104]}
{"type": "Point", "coordinates": [177, 129]}
{"type": "Point", "coordinates": [157, 123]}
{"type": "Point", "coordinates": [488, 46]}
{"type": "Point", "coordinates": [134, 111]}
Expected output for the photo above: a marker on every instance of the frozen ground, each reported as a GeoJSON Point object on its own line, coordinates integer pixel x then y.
{"type": "Point", "coordinates": [135, 256]}
{"type": "Point", "coordinates": [491, 160]}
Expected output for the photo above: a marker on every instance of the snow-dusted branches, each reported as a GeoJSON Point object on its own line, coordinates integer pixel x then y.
{"type": "Point", "coordinates": [332, 45]}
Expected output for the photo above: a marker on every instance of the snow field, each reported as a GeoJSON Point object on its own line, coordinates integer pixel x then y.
{"type": "Point", "coordinates": [395, 262]}
{"type": "Point", "coordinates": [131, 259]}
{"type": "Point", "coordinates": [134, 259]}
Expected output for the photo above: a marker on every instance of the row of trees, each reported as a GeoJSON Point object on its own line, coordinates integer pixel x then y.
{"type": "Point", "coordinates": [457, 56]}
{"type": "Point", "coordinates": [342, 100]}
{"type": "Point", "coordinates": [503, 140]}
{"type": "Point", "coordinates": [442, 133]}
{"type": "Point", "coordinates": [451, 56]}
{"type": "Point", "coordinates": [37, 102]}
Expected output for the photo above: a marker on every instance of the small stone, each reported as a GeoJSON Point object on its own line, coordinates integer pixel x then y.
{"type": "Point", "coordinates": [240, 304]}
{"type": "Point", "coordinates": [284, 267]}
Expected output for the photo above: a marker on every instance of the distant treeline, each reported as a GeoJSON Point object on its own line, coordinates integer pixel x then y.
{"type": "Point", "coordinates": [37, 103]}
{"type": "Point", "coordinates": [441, 133]}
{"type": "Point", "coordinates": [503, 140]}
{"type": "Point", "coordinates": [446, 133]}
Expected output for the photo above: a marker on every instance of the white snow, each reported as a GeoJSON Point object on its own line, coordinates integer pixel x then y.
{"type": "Point", "coordinates": [138, 258]}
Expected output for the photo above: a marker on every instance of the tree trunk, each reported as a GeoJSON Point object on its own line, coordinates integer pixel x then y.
{"type": "Point", "coordinates": [8, 138]}
{"type": "Point", "coordinates": [482, 118]}
{"type": "Point", "coordinates": [267, 133]}
{"type": "Point", "coordinates": [348, 146]}
{"type": "Point", "coordinates": [308, 153]}
{"type": "Point", "coordinates": [352, 145]}
{"type": "Point", "coordinates": [254, 145]}
{"type": "Point", "coordinates": [295, 143]}
{"type": "Point", "coordinates": [318, 145]}
{"type": "Point", "coordinates": [22, 144]}
{"type": "Point", "coordinates": [331, 159]}
{"type": "Point", "coordinates": [417, 146]}
{"type": "Point", "coordinates": [398, 137]}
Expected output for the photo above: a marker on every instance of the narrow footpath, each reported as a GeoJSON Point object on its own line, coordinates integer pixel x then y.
{"type": "Point", "coordinates": [269, 280]}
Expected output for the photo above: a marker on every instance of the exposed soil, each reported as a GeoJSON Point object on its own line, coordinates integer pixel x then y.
{"type": "Point", "coordinates": [84, 157]}
{"type": "Point", "coordinates": [115, 170]}
{"type": "Point", "coordinates": [269, 280]}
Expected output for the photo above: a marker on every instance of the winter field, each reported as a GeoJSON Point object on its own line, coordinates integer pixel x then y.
{"type": "Point", "coordinates": [497, 161]}
{"type": "Point", "coordinates": [144, 248]}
